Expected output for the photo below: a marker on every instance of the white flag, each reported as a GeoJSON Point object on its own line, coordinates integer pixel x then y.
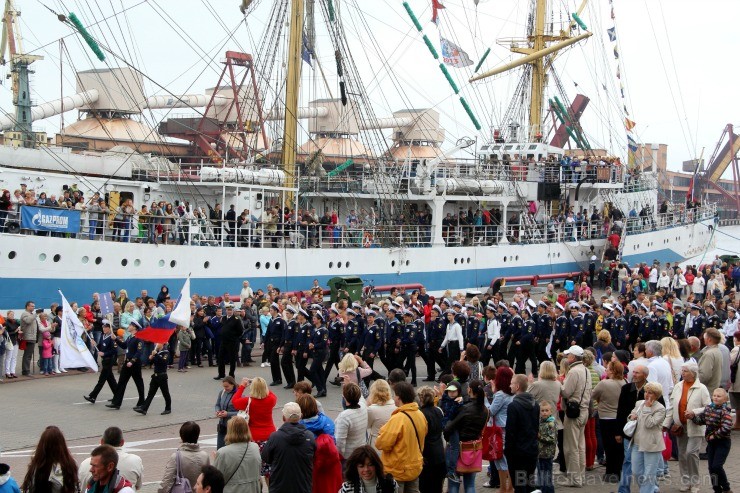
{"type": "Point", "coordinates": [181, 312]}
{"type": "Point", "coordinates": [454, 55]}
{"type": "Point", "coordinates": [72, 350]}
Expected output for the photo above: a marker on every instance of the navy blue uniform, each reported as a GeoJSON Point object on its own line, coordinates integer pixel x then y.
{"type": "Point", "coordinates": [576, 330]}
{"type": "Point", "coordinates": [647, 328]}
{"type": "Point", "coordinates": [526, 347]}
{"type": "Point", "coordinates": [301, 350]}
{"type": "Point", "coordinates": [698, 325]}
{"type": "Point", "coordinates": [561, 333]}
{"type": "Point", "coordinates": [661, 328]}
{"type": "Point", "coordinates": [589, 326]}
{"type": "Point", "coordinates": [408, 350]}
{"type": "Point", "coordinates": [516, 329]}
{"type": "Point", "coordinates": [320, 346]}
{"type": "Point", "coordinates": [108, 350]}
{"type": "Point", "coordinates": [619, 337]}
{"type": "Point", "coordinates": [275, 331]}
{"type": "Point", "coordinates": [286, 347]}
{"type": "Point", "coordinates": [131, 370]}
{"type": "Point", "coordinates": [158, 381]}
{"type": "Point", "coordinates": [543, 331]}
{"type": "Point", "coordinates": [336, 333]}
{"type": "Point", "coordinates": [679, 325]}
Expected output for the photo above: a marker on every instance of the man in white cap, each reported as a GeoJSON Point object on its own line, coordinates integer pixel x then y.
{"type": "Point", "coordinates": [577, 393]}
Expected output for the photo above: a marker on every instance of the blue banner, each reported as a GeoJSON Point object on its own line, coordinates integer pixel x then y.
{"type": "Point", "coordinates": [47, 219]}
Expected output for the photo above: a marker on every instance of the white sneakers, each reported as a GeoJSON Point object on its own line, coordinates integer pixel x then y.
{"type": "Point", "coordinates": [263, 365]}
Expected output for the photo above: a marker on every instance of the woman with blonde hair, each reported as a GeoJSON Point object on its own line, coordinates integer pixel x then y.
{"type": "Point", "coordinates": [672, 355]}
{"type": "Point", "coordinates": [258, 406]}
{"type": "Point", "coordinates": [380, 408]}
{"type": "Point", "coordinates": [647, 440]}
{"type": "Point", "coordinates": [352, 365]}
{"type": "Point", "coordinates": [239, 461]}
{"type": "Point", "coordinates": [606, 395]}
{"type": "Point", "coordinates": [604, 343]}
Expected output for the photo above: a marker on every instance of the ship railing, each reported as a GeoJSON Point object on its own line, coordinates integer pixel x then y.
{"type": "Point", "coordinates": [405, 177]}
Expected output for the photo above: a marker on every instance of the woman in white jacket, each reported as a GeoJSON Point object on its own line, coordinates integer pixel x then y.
{"type": "Point", "coordinates": [664, 281]}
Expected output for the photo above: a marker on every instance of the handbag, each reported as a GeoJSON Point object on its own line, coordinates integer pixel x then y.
{"type": "Point", "coordinates": [361, 383]}
{"type": "Point", "coordinates": [631, 425]}
{"type": "Point", "coordinates": [733, 368]}
{"type": "Point", "coordinates": [245, 413]}
{"type": "Point", "coordinates": [668, 450]}
{"type": "Point", "coordinates": [573, 410]}
{"type": "Point", "coordinates": [493, 443]}
{"type": "Point", "coordinates": [182, 484]}
{"type": "Point", "coordinates": [471, 457]}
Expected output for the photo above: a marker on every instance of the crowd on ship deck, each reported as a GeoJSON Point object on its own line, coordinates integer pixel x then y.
{"type": "Point", "coordinates": [181, 223]}
{"type": "Point", "coordinates": [627, 380]}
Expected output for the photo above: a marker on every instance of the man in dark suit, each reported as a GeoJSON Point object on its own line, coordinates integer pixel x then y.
{"type": "Point", "coordinates": [231, 332]}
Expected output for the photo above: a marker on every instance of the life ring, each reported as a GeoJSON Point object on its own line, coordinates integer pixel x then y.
{"type": "Point", "coordinates": [367, 240]}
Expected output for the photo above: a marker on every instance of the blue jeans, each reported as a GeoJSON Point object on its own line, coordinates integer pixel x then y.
{"type": "Point", "coordinates": [645, 467]}
{"type": "Point", "coordinates": [544, 476]}
{"type": "Point", "coordinates": [625, 481]}
{"type": "Point", "coordinates": [46, 365]}
{"type": "Point", "coordinates": [452, 452]}
{"type": "Point", "coordinates": [468, 482]}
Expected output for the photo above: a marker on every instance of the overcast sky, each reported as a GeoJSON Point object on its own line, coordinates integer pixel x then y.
{"type": "Point", "coordinates": [678, 59]}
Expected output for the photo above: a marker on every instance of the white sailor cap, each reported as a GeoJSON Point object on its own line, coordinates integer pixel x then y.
{"type": "Point", "coordinates": [291, 309]}
{"type": "Point", "coordinates": [542, 304]}
{"type": "Point", "coordinates": [660, 307]}
{"type": "Point", "coordinates": [514, 305]}
{"type": "Point", "coordinates": [528, 310]}
{"type": "Point", "coordinates": [135, 324]}
{"type": "Point", "coordinates": [274, 306]}
{"type": "Point", "coordinates": [334, 310]}
{"type": "Point", "coordinates": [501, 304]}
{"type": "Point", "coordinates": [694, 306]}
{"type": "Point", "coordinates": [316, 306]}
{"type": "Point", "coordinates": [408, 313]}
{"type": "Point", "coordinates": [356, 304]}
{"type": "Point", "coordinates": [396, 304]}
{"type": "Point", "coordinates": [371, 313]}
{"type": "Point", "coordinates": [375, 307]}
{"type": "Point", "coordinates": [303, 312]}
{"type": "Point", "coordinates": [417, 309]}
{"type": "Point", "coordinates": [106, 321]}
{"type": "Point", "coordinates": [319, 315]}
{"type": "Point", "coordinates": [392, 309]}
{"type": "Point", "coordinates": [456, 304]}
{"type": "Point", "coordinates": [468, 306]}
{"type": "Point", "coordinates": [448, 311]}
{"type": "Point", "coordinates": [619, 308]}
{"type": "Point", "coordinates": [643, 307]}
{"type": "Point", "coordinates": [585, 305]}
{"type": "Point", "coordinates": [531, 303]}
{"type": "Point", "coordinates": [437, 309]}
{"type": "Point", "coordinates": [559, 306]}
{"type": "Point", "coordinates": [446, 301]}
{"type": "Point", "coordinates": [350, 311]}
{"type": "Point", "coordinates": [607, 307]}
{"type": "Point", "coordinates": [710, 305]}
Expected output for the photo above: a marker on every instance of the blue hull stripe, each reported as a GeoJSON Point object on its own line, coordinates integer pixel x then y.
{"type": "Point", "coordinates": [43, 291]}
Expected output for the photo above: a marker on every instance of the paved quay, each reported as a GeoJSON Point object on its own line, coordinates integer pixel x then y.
{"type": "Point", "coordinates": [30, 404]}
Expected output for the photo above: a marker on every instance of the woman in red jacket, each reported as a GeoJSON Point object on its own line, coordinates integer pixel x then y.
{"type": "Point", "coordinates": [259, 405]}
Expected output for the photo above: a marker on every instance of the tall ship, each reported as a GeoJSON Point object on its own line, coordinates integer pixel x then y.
{"type": "Point", "coordinates": [285, 171]}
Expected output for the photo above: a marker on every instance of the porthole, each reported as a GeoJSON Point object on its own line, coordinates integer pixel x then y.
{"type": "Point", "coordinates": [346, 265]}
{"type": "Point", "coordinates": [558, 254]}
{"type": "Point", "coordinates": [42, 257]}
{"type": "Point", "coordinates": [517, 257]}
{"type": "Point", "coordinates": [206, 264]}
{"type": "Point", "coordinates": [277, 265]}
{"type": "Point", "coordinates": [408, 262]}
{"type": "Point", "coordinates": [331, 264]}
{"type": "Point", "coordinates": [504, 259]}
{"type": "Point", "coordinates": [462, 260]}
{"type": "Point", "coordinates": [85, 259]}
{"type": "Point", "coordinates": [137, 262]}
{"type": "Point", "coordinates": [160, 263]}
{"type": "Point", "coordinates": [57, 258]}
{"type": "Point", "coordinates": [455, 260]}
{"type": "Point", "coordinates": [124, 262]}
{"type": "Point", "coordinates": [173, 263]}
{"type": "Point", "coordinates": [98, 260]}
{"type": "Point", "coordinates": [339, 265]}
{"type": "Point", "coordinates": [11, 255]}
{"type": "Point", "coordinates": [393, 263]}
{"type": "Point", "coordinates": [257, 265]}
{"type": "Point", "coordinates": [267, 265]}
{"type": "Point", "coordinates": [468, 259]}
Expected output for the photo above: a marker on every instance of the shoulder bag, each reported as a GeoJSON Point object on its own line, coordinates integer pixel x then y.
{"type": "Point", "coordinates": [361, 383]}
{"type": "Point", "coordinates": [182, 484]}
{"type": "Point", "coordinates": [470, 459]}
{"type": "Point", "coordinates": [573, 409]}
{"type": "Point", "coordinates": [238, 465]}
{"type": "Point", "coordinates": [245, 413]}
{"type": "Point", "coordinates": [733, 368]}
{"type": "Point", "coordinates": [631, 425]}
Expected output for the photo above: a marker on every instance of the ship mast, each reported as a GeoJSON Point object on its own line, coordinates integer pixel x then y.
{"type": "Point", "coordinates": [536, 47]}
{"type": "Point", "coordinates": [293, 82]}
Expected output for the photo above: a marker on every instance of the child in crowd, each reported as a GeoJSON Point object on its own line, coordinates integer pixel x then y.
{"type": "Point", "coordinates": [718, 419]}
{"type": "Point", "coordinates": [47, 354]}
{"type": "Point", "coordinates": [7, 483]}
{"type": "Point", "coordinates": [185, 338]}
{"type": "Point", "coordinates": [450, 403]}
{"type": "Point", "coordinates": [547, 439]}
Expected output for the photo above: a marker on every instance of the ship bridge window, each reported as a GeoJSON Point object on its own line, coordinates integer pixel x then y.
{"type": "Point", "coordinates": [508, 148]}
{"type": "Point", "coordinates": [496, 148]}
{"type": "Point", "coordinates": [532, 147]}
{"type": "Point", "coordinates": [484, 148]}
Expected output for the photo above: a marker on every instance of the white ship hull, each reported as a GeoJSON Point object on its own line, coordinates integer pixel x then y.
{"type": "Point", "coordinates": [35, 267]}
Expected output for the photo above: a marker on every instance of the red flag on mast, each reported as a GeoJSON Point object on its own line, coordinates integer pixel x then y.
{"type": "Point", "coordinates": [436, 5]}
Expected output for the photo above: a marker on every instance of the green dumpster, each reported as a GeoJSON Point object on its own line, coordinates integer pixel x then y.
{"type": "Point", "coordinates": [347, 288]}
